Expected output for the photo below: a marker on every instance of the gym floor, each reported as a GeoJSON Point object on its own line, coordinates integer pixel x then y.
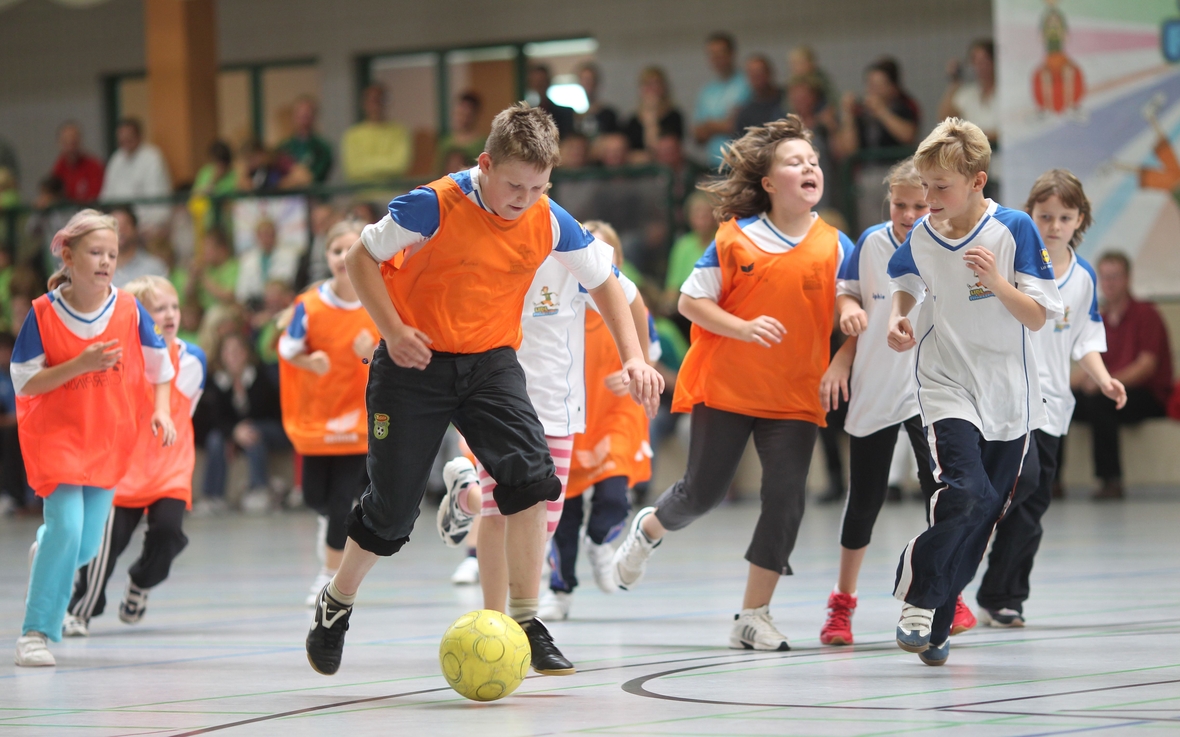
{"type": "Point", "coordinates": [221, 647]}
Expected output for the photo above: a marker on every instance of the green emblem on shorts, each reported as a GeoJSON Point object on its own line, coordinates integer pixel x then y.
{"type": "Point", "coordinates": [380, 425]}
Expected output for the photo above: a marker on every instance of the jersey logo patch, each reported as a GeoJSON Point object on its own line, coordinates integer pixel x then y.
{"type": "Point", "coordinates": [815, 281]}
{"type": "Point", "coordinates": [977, 291]}
{"type": "Point", "coordinates": [549, 305]}
{"type": "Point", "coordinates": [380, 425]}
{"type": "Point", "coordinates": [748, 269]}
{"type": "Point", "coordinates": [1060, 326]}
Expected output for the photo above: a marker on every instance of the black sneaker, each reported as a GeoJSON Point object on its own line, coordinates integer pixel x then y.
{"type": "Point", "coordinates": [547, 659]}
{"type": "Point", "coordinates": [325, 641]}
{"type": "Point", "coordinates": [1006, 618]}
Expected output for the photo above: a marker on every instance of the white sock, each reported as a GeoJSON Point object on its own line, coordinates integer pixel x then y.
{"type": "Point", "coordinates": [522, 610]}
{"type": "Point", "coordinates": [836, 590]}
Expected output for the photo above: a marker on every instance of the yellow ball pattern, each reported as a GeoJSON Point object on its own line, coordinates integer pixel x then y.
{"type": "Point", "coordinates": [484, 655]}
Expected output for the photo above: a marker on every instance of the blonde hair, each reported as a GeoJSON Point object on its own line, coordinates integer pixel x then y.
{"type": "Point", "coordinates": [955, 145]}
{"type": "Point", "coordinates": [524, 133]}
{"type": "Point", "coordinates": [79, 226]}
{"type": "Point", "coordinates": [145, 288]}
{"type": "Point", "coordinates": [903, 174]}
{"type": "Point", "coordinates": [1066, 187]}
{"type": "Point", "coordinates": [343, 228]}
{"type": "Point", "coordinates": [606, 233]}
{"type": "Point", "coordinates": [657, 73]}
{"type": "Point", "coordinates": [739, 192]}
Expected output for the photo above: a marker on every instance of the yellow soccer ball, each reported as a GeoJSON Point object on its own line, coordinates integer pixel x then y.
{"type": "Point", "coordinates": [484, 655]}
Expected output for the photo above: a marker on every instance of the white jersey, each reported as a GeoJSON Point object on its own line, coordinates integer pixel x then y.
{"type": "Point", "coordinates": [975, 361]}
{"type": "Point", "coordinates": [882, 389]}
{"type": "Point", "coordinates": [1078, 332]}
{"type": "Point", "coordinates": [553, 348]}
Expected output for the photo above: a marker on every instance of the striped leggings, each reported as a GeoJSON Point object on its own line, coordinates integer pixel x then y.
{"type": "Point", "coordinates": [562, 450]}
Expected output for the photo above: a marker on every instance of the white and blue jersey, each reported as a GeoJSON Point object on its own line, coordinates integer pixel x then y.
{"type": "Point", "coordinates": [1078, 332]}
{"type": "Point", "coordinates": [975, 360]}
{"type": "Point", "coordinates": [882, 389]}
{"type": "Point", "coordinates": [413, 220]}
{"type": "Point", "coordinates": [28, 355]}
{"type": "Point", "coordinates": [191, 373]}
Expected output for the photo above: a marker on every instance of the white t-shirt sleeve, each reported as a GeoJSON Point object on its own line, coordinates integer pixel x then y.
{"type": "Point", "coordinates": [1090, 335]}
{"type": "Point", "coordinates": [1034, 269]}
{"type": "Point", "coordinates": [571, 248]}
{"type": "Point", "coordinates": [28, 355]}
{"type": "Point", "coordinates": [293, 341]}
{"type": "Point", "coordinates": [903, 273]}
{"type": "Point", "coordinates": [413, 218]}
{"type": "Point", "coordinates": [157, 363]}
{"type": "Point", "coordinates": [705, 281]}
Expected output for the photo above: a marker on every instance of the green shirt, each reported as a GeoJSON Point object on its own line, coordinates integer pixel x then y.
{"type": "Point", "coordinates": [315, 153]}
{"type": "Point", "coordinates": [205, 184]}
{"type": "Point", "coordinates": [224, 276]}
{"type": "Point", "coordinates": [686, 251]}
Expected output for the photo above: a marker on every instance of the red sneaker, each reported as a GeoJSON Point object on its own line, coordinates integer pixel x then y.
{"type": "Point", "coordinates": [837, 629]}
{"type": "Point", "coordinates": [964, 618]}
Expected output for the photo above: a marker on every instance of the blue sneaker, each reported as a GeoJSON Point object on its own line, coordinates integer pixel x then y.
{"type": "Point", "coordinates": [936, 654]}
{"type": "Point", "coordinates": [913, 631]}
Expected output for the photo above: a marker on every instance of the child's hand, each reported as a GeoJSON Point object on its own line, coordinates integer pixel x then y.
{"type": "Point", "coordinates": [834, 384]}
{"type": "Point", "coordinates": [617, 384]}
{"type": "Point", "coordinates": [319, 363]}
{"type": "Point", "coordinates": [409, 348]}
{"type": "Point", "coordinates": [364, 344]}
{"type": "Point", "coordinates": [763, 330]}
{"type": "Point", "coordinates": [901, 334]}
{"type": "Point", "coordinates": [983, 263]}
{"type": "Point", "coordinates": [1113, 389]}
{"type": "Point", "coordinates": [646, 385]}
{"type": "Point", "coordinates": [99, 356]}
{"type": "Point", "coordinates": [854, 320]}
{"type": "Point", "coordinates": [163, 428]}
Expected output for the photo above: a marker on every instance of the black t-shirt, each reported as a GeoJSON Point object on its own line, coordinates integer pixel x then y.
{"type": "Point", "coordinates": [874, 135]}
{"type": "Point", "coordinates": [758, 112]}
{"type": "Point", "coordinates": [672, 122]}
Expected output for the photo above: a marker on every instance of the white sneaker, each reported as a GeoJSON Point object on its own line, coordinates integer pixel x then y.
{"type": "Point", "coordinates": [321, 580]}
{"type": "Point", "coordinates": [256, 501]}
{"type": "Point", "coordinates": [555, 606]}
{"type": "Point", "coordinates": [602, 562]}
{"type": "Point", "coordinates": [467, 572]}
{"type": "Point", "coordinates": [452, 522]}
{"type": "Point", "coordinates": [134, 604]}
{"type": "Point", "coordinates": [210, 507]}
{"type": "Point", "coordinates": [73, 626]}
{"type": "Point", "coordinates": [32, 651]}
{"type": "Point", "coordinates": [321, 545]}
{"type": "Point", "coordinates": [630, 560]}
{"type": "Point", "coordinates": [753, 630]}
{"type": "Point", "coordinates": [913, 629]}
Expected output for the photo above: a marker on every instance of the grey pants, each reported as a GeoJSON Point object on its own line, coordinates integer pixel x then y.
{"type": "Point", "coordinates": [716, 444]}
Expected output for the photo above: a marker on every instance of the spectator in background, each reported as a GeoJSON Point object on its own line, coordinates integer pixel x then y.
{"type": "Point", "coordinates": [575, 151]}
{"type": "Point", "coordinates": [717, 101]}
{"type": "Point", "coordinates": [214, 275]}
{"type": "Point", "coordinates": [368, 212]}
{"type": "Point", "coordinates": [599, 118]}
{"type": "Point", "coordinates": [656, 114]}
{"type": "Point", "coordinates": [374, 149]}
{"type": "Point", "coordinates": [240, 407]}
{"type": "Point", "coordinates": [803, 65]}
{"type": "Point", "coordinates": [464, 136]}
{"type": "Point", "coordinates": [8, 159]}
{"type": "Point", "coordinates": [1137, 354]}
{"type": "Point", "coordinates": [13, 484]}
{"type": "Point", "coordinates": [9, 194]}
{"type": "Point", "coordinates": [80, 173]}
{"type": "Point", "coordinates": [976, 100]}
{"type": "Point", "coordinates": [885, 117]}
{"type": "Point", "coordinates": [137, 170]}
{"type": "Point", "coordinates": [685, 253]}
{"type": "Point", "coordinates": [134, 260]}
{"type": "Point", "coordinates": [262, 170]}
{"type": "Point", "coordinates": [766, 98]}
{"type": "Point", "coordinates": [305, 147]}
{"type": "Point", "coordinates": [313, 265]}
{"type": "Point", "coordinates": [217, 176]}
{"type": "Point", "coordinates": [804, 97]}
{"type": "Point", "coordinates": [539, 81]}
{"type": "Point", "coordinates": [670, 153]}
{"type": "Point", "coordinates": [263, 263]}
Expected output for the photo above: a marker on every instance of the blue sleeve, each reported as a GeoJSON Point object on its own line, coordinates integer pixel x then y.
{"type": "Point", "coordinates": [708, 259]}
{"type": "Point", "coordinates": [196, 352]}
{"type": "Point", "coordinates": [297, 329]}
{"type": "Point", "coordinates": [28, 341]}
{"type": "Point", "coordinates": [849, 258]}
{"type": "Point", "coordinates": [1031, 257]}
{"type": "Point", "coordinates": [1095, 315]}
{"type": "Point", "coordinates": [149, 334]}
{"type": "Point", "coordinates": [902, 261]}
{"type": "Point", "coordinates": [653, 335]}
{"type": "Point", "coordinates": [571, 236]}
{"type": "Point", "coordinates": [416, 211]}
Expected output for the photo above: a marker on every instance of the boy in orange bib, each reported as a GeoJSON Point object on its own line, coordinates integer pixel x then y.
{"type": "Point", "coordinates": [158, 485]}
{"type": "Point", "coordinates": [323, 368]}
{"type": "Point", "coordinates": [450, 323]}
{"type": "Point", "coordinates": [81, 366]}
{"type": "Point", "coordinates": [761, 300]}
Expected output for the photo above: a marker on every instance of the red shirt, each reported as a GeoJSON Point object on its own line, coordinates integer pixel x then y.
{"type": "Point", "coordinates": [82, 179]}
{"type": "Point", "coordinates": [1141, 329]}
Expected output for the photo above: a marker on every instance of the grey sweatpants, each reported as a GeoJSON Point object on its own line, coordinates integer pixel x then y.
{"type": "Point", "coordinates": [716, 444]}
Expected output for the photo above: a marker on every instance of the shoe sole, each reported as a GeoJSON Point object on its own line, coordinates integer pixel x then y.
{"type": "Point", "coordinates": [916, 649]}
{"type": "Point", "coordinates": [743, 645]}
{"type": "Point", "coordinates": [1017, 624]}
{"type": "Point", "coordinates": [618, 579]}
{"type": "Point", "coordinates": [33, 665]}
{"type": "Point", "coordinates": [836, 641]}
{"type": "Point", "coordinates": [960, 629]}
{"type": "Point", "coordinates": [556, 672]}
{"type": "Point", "coordinates": [931, 662]}
{"type": "Point", "coordinates": [316, 668]}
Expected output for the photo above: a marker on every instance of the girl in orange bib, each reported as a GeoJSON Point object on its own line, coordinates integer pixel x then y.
{"type": "Point", "coordinates": [761, 300]}
{"type": "Point", "coordinates": [158, 485]}
{"type": "Point", "coordinates": [80, 367]}
{"type": "Point", "coordinates": [323, 370]}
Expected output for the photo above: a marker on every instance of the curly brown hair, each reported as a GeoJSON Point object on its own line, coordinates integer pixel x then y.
{"type": "Point", "coordinates": [1068, 189]}
{"type": "Point", "coordinates": [738, 192]}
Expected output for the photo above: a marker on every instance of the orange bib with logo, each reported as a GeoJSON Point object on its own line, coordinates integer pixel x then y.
{"type": "Point", "coordinates": [616, 439]}
{"type": "Point", "coordinates": [325, 415]}
{"type": "Point", "coordinates": [465, 287]}
{"type": "Point", "coordinates": [84, 431]}
{"type": "Point", "coordinates": [798, 288]}
{"type": "Point", "coordinates": [157, 472]}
